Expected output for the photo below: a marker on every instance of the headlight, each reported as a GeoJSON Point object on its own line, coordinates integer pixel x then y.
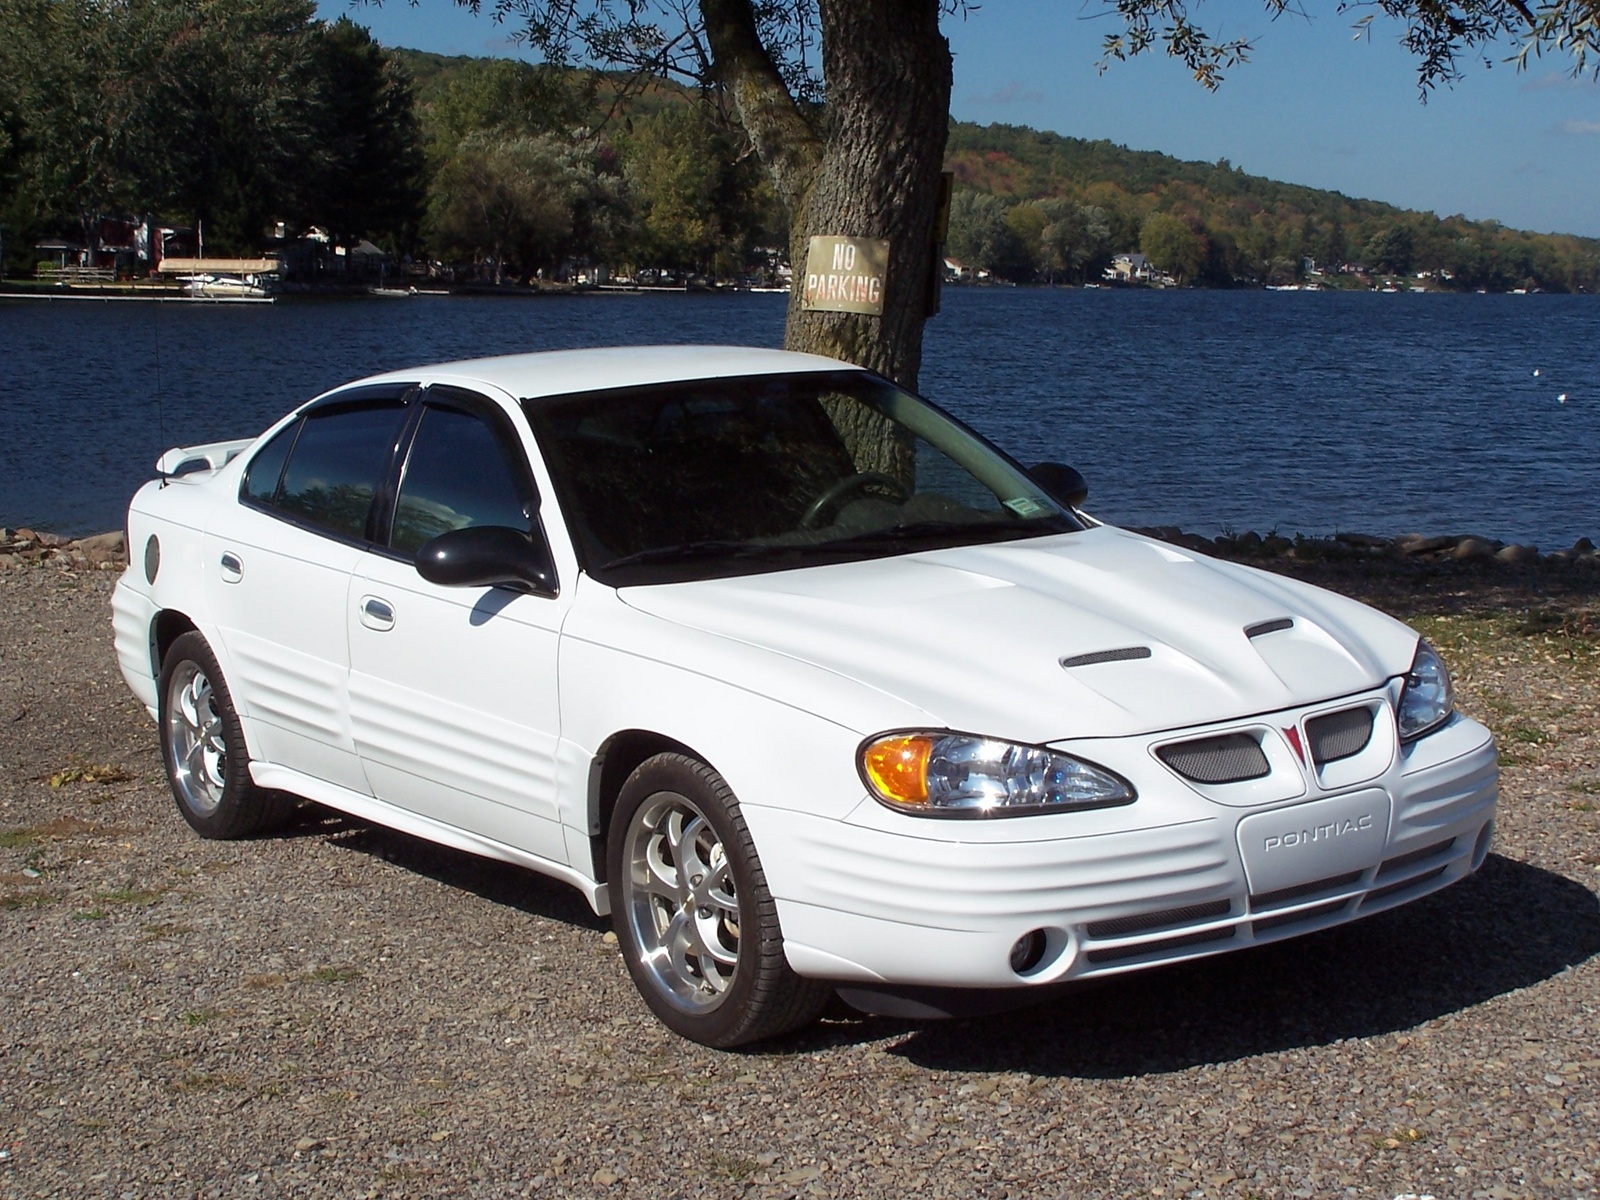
{"type": "Point", "coordinates": [1426, 700]}
{"type": "Point", "coordinates": [958, 775]}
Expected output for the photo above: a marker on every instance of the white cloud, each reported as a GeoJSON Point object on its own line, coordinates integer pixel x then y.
{"type": "Point", "coordinates": [1580, 128]}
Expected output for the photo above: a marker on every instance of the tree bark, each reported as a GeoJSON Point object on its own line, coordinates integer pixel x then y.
{"type": "Point", "coordinates": [872, 168]}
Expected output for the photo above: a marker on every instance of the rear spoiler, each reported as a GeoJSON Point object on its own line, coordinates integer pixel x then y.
{"type": "Point", "coordinates": [187, 460]}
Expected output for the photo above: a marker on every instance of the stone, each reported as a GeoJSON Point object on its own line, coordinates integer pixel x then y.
{"type": "Point", "coordinates": [105, 547]}
{"type": "Point", "coordinates": [1582, 548]}
{"type": "Point", "coordinates": [1518, 554]}
{"type": "Point", "coordinates": [1366, 541]}
{"type": "Point", "coordinates": [1473, 549]}
{"type": "Point", "coordinates": [1415, 543]}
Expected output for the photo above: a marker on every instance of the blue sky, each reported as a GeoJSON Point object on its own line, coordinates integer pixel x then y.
{"type": "Point", "coordinates": [1314, 106]}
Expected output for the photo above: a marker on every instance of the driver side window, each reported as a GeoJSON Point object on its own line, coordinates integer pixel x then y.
{"type": "Point", "coordinates": [458, 474]}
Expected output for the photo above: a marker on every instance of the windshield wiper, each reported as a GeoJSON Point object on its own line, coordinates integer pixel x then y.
{"type": "Point", "coordinates": [691, 551]}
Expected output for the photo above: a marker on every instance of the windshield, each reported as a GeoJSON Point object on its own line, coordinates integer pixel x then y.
{"type": "Point", "coordinates": [735, 476]}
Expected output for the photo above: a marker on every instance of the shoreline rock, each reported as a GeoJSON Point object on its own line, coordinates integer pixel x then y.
{"type": "Point", "coordinates": [1356, 547]}
{"type": "Point", "coordinates": [109, 551]}
{"type": "Point", "coordinates": [99, 552]}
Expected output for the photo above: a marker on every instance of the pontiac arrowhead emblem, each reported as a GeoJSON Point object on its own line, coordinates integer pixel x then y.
{"type": "Point", "coordinates": [1293, 734]}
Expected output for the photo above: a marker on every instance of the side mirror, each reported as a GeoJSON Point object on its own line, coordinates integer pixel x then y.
{"type": "Point", "coordinates": [489, 556]}
{"type": "Point", "coordinates": [1064, 483]}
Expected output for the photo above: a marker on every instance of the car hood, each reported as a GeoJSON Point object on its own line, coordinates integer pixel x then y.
{"type": "Point", "coordinates": [1021, 639]}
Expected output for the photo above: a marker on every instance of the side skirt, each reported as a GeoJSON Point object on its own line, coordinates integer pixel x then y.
{"type": "Point", "coordinates": [368, 808]}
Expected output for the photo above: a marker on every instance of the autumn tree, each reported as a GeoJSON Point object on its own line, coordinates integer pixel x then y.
{"type": "Point", "coordinates": [1172, 246]}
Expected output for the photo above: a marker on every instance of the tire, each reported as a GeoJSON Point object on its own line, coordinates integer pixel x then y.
{"type": "Point", "coordinates": [713, 970]}
{"type": "Point", "coordinates": [202, 744]}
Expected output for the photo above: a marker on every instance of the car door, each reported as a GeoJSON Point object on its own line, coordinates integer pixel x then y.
{"type": "Point", "coordinates": [277, 576]}
{"type": "Point", "coordinates": [453, 689]}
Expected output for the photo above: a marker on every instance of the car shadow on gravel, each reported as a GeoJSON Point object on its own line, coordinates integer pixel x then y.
{"type": "Point", "coordinates": [496, 882]}
{"type": "Point", "coordinates": [1508, 927]}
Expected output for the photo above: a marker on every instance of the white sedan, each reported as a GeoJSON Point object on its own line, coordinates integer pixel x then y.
{"type": "Point", "coordinates": [807, 685]}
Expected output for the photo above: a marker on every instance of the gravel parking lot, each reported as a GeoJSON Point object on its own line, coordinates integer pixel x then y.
{"type": "Point", "coordinates": [345, 1011]}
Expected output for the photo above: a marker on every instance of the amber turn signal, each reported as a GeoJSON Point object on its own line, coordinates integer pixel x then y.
{"type": "Point", "coordinates": [898, 767]}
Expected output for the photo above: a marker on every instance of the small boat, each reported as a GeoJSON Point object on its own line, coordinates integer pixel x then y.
{"type": "Point", "coordinates": [224, 285]}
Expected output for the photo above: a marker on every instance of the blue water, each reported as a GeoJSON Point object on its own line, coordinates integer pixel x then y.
{"type": "Point", "coordinates": [1301, 412]}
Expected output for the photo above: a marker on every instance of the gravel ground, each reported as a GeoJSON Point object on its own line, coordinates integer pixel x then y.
{"type": "Point", "coordinates": [344, 1011]}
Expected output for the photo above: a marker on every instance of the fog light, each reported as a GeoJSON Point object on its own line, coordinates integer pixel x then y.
{"type": "Point", "coordinates": [1027, 951]}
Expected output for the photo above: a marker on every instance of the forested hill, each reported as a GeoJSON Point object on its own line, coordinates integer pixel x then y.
{"type": "Point", "coordinates": [114, 115]}
{"type": "Point", "coordinates": [1038, 206]}
{"type": "Point", "coordinates": [1023, 195]}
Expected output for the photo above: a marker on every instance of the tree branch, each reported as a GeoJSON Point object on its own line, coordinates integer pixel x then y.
{"type": "Point", "coordinates": [783, 137]}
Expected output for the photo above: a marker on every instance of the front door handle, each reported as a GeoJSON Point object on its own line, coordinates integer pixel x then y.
{"type": "Point", "coordinates": [377, 614]}
{"type": "Point", "coordinates": [232, 568]}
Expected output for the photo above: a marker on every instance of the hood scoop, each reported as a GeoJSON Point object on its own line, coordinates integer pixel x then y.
{"type": "Point", "coordinates": [1260, 628]}
{"type": "Point", "coordinates": [1095, 657]}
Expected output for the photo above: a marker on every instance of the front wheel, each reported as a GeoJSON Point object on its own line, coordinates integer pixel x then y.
{"type": "Point", "coordinates": [696, 924]}
{"type": "Point", "coordinates": [203, 746]}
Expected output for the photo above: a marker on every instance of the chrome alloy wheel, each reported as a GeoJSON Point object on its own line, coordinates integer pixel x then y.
{"type": "Point", "coordinates": [195, 744]}
{"type": "Point", "coordinates": [679, 898]}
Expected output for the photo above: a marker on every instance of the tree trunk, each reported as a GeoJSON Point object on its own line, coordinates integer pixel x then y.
{"type": "Point", "coordinates": [888, 72]}
{"type": "Point", "coordinates": [870, 171]}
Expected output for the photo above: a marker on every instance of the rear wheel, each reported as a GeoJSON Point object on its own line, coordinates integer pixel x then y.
{"type": "Point", "coordinates": [696, 924]}
{"type": "Point", "coordinates": [203, 746]}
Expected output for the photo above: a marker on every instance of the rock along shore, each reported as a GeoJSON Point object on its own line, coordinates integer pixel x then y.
{"type": "Point", "coordinates": [108, 551]}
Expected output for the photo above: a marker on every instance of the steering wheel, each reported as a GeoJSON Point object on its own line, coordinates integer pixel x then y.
{"type": "Point", "coordinates": [835, 494]}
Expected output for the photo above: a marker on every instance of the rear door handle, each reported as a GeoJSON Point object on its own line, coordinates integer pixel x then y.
{"type": "Point", "coordinates": [232, 568]}
{"type": "Point", "coordinates": [377, 614]}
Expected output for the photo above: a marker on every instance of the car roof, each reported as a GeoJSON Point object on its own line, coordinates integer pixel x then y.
{"type": "Point", "coordinates": [563, 372]}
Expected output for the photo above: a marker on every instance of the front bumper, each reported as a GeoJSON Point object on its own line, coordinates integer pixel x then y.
{"type": "Point", "coordinates": [888, 899]}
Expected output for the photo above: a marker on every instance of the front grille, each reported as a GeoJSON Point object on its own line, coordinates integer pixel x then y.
{"type": "Point", "coordinates": [1123, 926]}
{"type": "Point", "coordinates": [1117, 953]}
{"type": "Point", "coordinates": [1339, 735]}
{"type": "Point", "coordinates": [1267, 924]}
{"type": "Point", "coordinates": [1402, 861]}
{"type": "Point", "coordinates": [1232, 758]}
{"type": "Point", "coordinates": [1377, 894]}
{"type": "Point", "coordinates": [1284, 895]}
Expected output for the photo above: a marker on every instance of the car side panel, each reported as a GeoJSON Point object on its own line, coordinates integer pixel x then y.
{"type": "Point", "coordinates": [276, 594]}
{"type": "Point", "coordinates": [453, 702]}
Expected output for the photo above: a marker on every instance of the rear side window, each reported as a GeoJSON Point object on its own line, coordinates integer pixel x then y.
{"type": "Point", "coordinates": [261, 480]}
{"type": "Point", "coordinates": [458, 474]}
{"type": "Point", "coordinates": [337, 465]}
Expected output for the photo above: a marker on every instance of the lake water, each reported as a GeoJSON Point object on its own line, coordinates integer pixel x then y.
{"type": "Point", "coordinates": [1301, 412]}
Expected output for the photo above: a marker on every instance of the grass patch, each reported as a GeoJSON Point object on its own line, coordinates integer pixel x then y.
{"type": "Point", "coordinates": [263, 982]}
{"type": "Point", "coordinates": [89, 914]}
{"type": "Point", "coordinates": [1583, 806]}
{"type": "Point", "coordinates": [1585, 787]}
{"type": "Point", "coordinates": [13, 901]}
{"type": "Point", "coordinates": [733, 1167]}
{"type": "Point", "coordinates": [334, 974]}
{"type": "Point", "coordinates": [164, 929]}
{"type": "Point", "coordinates": [61, 827]}
{"type": "Point", "coordinates": [206, 1081]}
{"type": "Point", "coordinates": [130, 896]}
{"type": "Point", "coordinates": [1527, 735]}
{"type": "Point", "coordinates": [200, 1016]}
